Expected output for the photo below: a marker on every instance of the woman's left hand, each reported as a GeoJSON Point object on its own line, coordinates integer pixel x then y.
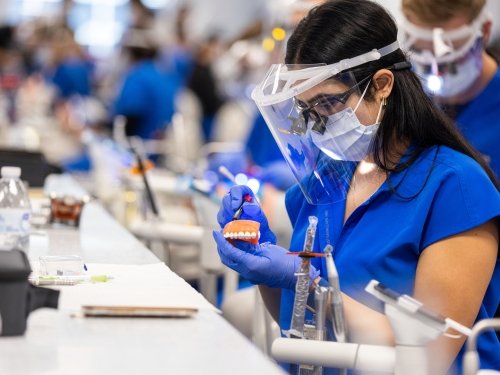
{"type": "Point", "coordinates": [264, 264]}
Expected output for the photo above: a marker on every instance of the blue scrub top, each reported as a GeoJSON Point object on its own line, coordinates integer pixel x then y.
{"type": "Point", "coordinates": [384, 237]}
{"type": "Point", "coordinates": [148, 94]}
{"type": "Point", "coordinates": [73, 77]}
{"type": "Point", "coordinates": [266, 154]}
{"type": "Point", "coordinates": [261, 144]}
{"type": "Point", "coordinates": [479, 122]}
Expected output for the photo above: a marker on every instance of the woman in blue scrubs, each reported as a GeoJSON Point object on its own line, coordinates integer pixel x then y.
{"type": "Point", "coordinates": [399, 193]}
{"type": "Point", "coordinates": [147, 93]}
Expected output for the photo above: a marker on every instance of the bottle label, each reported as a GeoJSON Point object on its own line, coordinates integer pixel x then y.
{"type": "Point", "coordinates": [14, 228]}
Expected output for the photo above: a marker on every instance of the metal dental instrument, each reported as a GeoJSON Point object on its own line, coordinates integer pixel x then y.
{"type": "Point", "coordinates": [303, 281]}
{"type": "Point", "coordinates": [320, 300]}
{"type": "Point", "coordinates": [338, 319]}
{"type": "Point", "coordinates": [337, 308]}
{"type": "Point", "coordinates": [239, 211]}
{"type": "Point", "coordinates": [149, 192]}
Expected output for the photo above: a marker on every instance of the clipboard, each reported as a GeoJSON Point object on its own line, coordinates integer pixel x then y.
{"type": "Point", "coordinates": [138, 311]}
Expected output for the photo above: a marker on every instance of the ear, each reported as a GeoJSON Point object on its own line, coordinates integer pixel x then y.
{"type": "Point", "coordinates": [383, 81]}
{"type": "Point", "coordinates": [486, 29]}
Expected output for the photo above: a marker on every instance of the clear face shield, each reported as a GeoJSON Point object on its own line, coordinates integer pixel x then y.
{"type": "Point", "coordinates": [310, 110]}
{"type": "Point", "coordinates": [448, 62]}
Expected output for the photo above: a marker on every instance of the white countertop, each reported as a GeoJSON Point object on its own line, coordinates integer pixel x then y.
{"type": "Point", "coordinates": [100, 239]}
{"type": "Point", "coordinates": [58, 343]}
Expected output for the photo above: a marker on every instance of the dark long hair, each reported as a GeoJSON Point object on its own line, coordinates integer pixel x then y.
{"type": "Point", "coordinates": [341, 29]}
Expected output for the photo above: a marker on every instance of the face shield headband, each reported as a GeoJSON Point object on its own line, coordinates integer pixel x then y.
{"type": "Point", "coordinates": [447, 62]}
{"type": "Point", "coordinates": [440, 46]}
{"type": "Point", "coordinates": [299, 100]}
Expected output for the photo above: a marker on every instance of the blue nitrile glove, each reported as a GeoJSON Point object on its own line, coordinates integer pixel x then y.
{"type": "Point", "coordinates": [251, 211]}
{"type": "Point", "coordinates": [264, 264]}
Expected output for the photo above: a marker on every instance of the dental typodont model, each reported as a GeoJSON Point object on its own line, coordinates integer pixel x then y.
{"type": "Point", "coordinates": [244, 230]}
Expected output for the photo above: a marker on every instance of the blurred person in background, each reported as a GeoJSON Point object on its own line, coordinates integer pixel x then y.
{"type": "Point", "coordinates": [141, 16]}
{"type": "Point", "coordinates": [177, 57]}
{"type": "Point", "coordinates": [147, 93]}
{"type": "Point", "coordinates": [446, 40]}
{"type": "Point", "coordinates": [202, 82]}
{"type": "Point", "coordinates": [11, 74]}
{"type": "Point", "coordinates": [69, 68]}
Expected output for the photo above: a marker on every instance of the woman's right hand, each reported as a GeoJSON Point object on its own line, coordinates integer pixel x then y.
{"type": "Point", "coordinates": [251, 211]}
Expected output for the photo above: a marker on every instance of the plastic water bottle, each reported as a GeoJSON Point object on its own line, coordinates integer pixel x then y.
{"type": "Point", "coordinates": [15, 211]}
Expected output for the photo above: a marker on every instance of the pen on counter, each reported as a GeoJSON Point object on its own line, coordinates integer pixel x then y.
{"type": "Point", "coordinates": [69, 280]}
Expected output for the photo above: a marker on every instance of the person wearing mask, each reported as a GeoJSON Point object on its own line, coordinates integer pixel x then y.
{"type": "Point", "coordinates": [399, 194]}
{"type": "Point", "coordinates": [147, 93]}
{"type": "Point", "coordinates": [446, 41]}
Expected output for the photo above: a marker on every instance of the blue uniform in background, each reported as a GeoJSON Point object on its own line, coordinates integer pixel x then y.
{"type": "Point", "coordinates": [147, 95]}
{"type": "Point", "coordinates": [261, 144]}
{"type": "Point", "coordinates": [73, 77]}
{"type": "Point", "coordinates": [265, 153]}
{"type": "Point", "coordinates": [479, 122]}
{"type": "Point", "coordinates": [385, 236]}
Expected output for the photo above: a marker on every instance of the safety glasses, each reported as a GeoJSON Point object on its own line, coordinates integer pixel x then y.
{"type": "Point", "coordinates": [324, 105]}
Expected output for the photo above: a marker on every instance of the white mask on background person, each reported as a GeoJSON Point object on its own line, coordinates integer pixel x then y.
{"type": "Point", "coordinates": [448, 62]}
{"type": "Point", "coordinates": [457, 80]}
{"type": "Point", "coordinates": [345, 137]}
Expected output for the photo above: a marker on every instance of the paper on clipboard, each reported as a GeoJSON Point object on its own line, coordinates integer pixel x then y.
{"type": "Point", "coordinates": [133, 286]}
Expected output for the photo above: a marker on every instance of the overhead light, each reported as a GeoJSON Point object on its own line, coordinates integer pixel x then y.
{"type": "Point", "coordinates": [102, 2]}
{"type": "Point", "coordinates": [157, 4]}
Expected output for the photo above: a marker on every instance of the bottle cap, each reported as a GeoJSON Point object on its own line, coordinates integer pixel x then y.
{"type": "Point", "coordinates": [11, 172]}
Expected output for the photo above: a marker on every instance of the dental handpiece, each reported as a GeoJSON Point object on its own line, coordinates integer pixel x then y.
{"type": "Point", "coordinates": [338, 319]}
{"type": "Point", "coordinates": [320, 299]}
{"type": "Point", "coordinates": [320, 302]}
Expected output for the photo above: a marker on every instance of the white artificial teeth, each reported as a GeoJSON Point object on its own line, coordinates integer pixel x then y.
{"type": "Point", "coordinates": [248, 235]}
{"type": "Point", "coordinates": [254, 235]}
{"type": "Point", "coordinates": [226, 235]}
{"type": "Point", "coordinates": [241, 234]}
